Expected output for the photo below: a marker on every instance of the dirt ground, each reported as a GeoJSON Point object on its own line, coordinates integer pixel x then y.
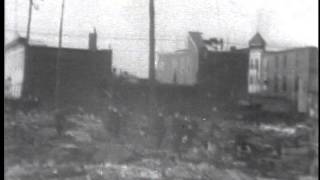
{"type": "Point", "coordinates": [230, 143]}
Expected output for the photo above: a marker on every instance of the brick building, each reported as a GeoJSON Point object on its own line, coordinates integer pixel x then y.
{"type": "Point", "coordinates": [220, 73]}
{"type": "Point", "coordinates": [81, 71]}
{"type": "Point", "coordinates": [290, 74]}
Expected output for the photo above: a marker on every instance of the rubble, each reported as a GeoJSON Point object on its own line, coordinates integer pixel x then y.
{"type": "Point", "coordinates": [211, 155]}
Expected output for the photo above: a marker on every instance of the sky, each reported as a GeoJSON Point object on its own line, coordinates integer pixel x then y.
{"type": "Point", "coordinates": [123, 24]}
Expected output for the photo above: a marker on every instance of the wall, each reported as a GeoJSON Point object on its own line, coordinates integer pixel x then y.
{"type": "Point", "coordinates": [288, 75]}
{"type": "Point", "coordinates": [177, 68]}
{"type": "Point", "coordinates": [225, 74]}
{"type": "Point", "coordinates": [313, 87]}
{"type": "Point", "coordinates": [255, 73]}
{"type": "Point", "coordinates": [14, 69]}
{"type": "Point", "coordinates": [81, 73]}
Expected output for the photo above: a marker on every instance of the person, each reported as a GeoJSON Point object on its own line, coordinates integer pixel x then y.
{"type": "Point", "coordinates": [178, 133]}
{"type": "Point", "coordinates": [114, 121]}
{"type": "Point", "coordinates": [193, 130]}
{"type": "Point", "coordinates": [60, 121]}
{"type": "Point", "coordinates": [160, 129]}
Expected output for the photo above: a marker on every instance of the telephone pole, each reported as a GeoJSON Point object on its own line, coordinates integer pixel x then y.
{"type": "Point", "coordinates": [16, 16]}
{"type": "Point", "coordinates": [151, 58]}
{"type": "Point", "coordinates": [58, 58]}
{"type": "Point", "coordinates": [151, 43]}
{"type": "Point", "coordinates": [29, 21]}
{"type": "Point", "coordinates": [27, 51]}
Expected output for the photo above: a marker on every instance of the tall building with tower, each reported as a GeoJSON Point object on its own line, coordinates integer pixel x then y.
{"type": "Point", "coordinates": [288, 74]}
{"type": "Point", "coordinates": [257, 47]}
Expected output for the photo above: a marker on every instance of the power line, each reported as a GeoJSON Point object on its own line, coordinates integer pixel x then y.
{"type": "Point", "coordinates": [102, 37]}
{"type": "Point", "coordinates": [131, 38]}
{"type": "Point", "coordinates": [16, 15]}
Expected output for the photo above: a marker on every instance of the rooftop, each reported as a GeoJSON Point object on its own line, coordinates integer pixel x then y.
{"type": "Point", "coordinates": [197, 39]}
{"type": "Point", "coordinates": [257, 41]}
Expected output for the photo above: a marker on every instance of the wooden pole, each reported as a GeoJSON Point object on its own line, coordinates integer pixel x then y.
{"type": "Point", "coordinates": [58, 58]}
{"type": "Point", "coordinates": [29, 21]}
{"type": "Point", "coordinates": [27, 51]}
{"type": "Point", "coordinates": [151, 57]}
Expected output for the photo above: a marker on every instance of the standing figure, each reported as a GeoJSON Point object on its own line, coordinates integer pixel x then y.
{"type": "Point", "coordinates": [114, 122]}
{"type": "Point", "coordinates": [193, 128]}
{"type": "Point", "coordinates": [159, 129]}
{"type": "Point", "coordinates": [178, 133]}
{"type": "Point", "coordinates": [60, 122]}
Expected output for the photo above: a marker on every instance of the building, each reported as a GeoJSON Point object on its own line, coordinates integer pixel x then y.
{"type": "Point", "coordinates": [224, 74]}
{"type": "Point", "coordinates": [290, 74]}
{"type": "Point", "coordinates": [257, 48]}
{"type": "Point", "coordinates": [81, 71]}
{"type": "Point", "coordinates": [181, 67]}
{"type": "Point", "coordinates": [210, 70]}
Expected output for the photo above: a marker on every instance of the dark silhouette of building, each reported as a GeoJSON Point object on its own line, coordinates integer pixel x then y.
{"type": "Point", "coordinates": [81, 71]}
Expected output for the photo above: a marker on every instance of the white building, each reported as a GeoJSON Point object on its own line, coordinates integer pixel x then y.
{"type": "Point", "coordinates": [255, 77]}
{"type": "Point", "coordinates": [14, 68]}
{"type": "Point", "coordinates": [181, 67]}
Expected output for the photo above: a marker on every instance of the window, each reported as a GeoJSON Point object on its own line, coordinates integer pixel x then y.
{"type": "Point", "coordinates": [250, 80]}
{"type": "Point", "coordinates": [276, 84]}
{"type": "Point", "coordinates": [257, 64]}
{"type": "Point", "coordinates": [296, 84]}
{"type": "Point", "coordinates": [285, 61]}
{"type": "Point", "coordinates": [251, 64]}
{"type": "Point", "coordinates": [284, 84]}
{"type": "Point", "coordinates": [297, 63]}
{"type": "Point", "coordinates": [276, 62]}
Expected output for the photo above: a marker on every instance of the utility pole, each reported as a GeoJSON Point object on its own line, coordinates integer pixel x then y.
{"type": "Point", "coordinates": [151, 58]}
{"type": "Point", "coordinates": [29, 21]}
{"type": "Point", "coordinates": [151, 43]}
{"type": "Point", "coordinates": [16, 16]}
{"type": "Point", "coordinates": [27, 51]}
{"type": "Point", "coordinates": [58, 59]}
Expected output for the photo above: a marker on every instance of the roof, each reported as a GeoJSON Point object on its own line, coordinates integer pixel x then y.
{"type": "Point", "coordinates": [257, 41]}
{"type": "Point", "coordinates": [293, 49]}
{"type": "Point", "coordinates": [15, 42]}
{"type": "Point", "coordinates": [197, 39]}
{"type": "Point", "coordinates": [19, 40]}
{"type": "Point", "coordinates": [22, 40]}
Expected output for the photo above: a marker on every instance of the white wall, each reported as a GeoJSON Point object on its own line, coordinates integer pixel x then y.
{"type": "Point", "coordinates": [14, 69]}
{"type": "Point", "coordinates": [183, 65]}
{"type": "Point", "coordinates": [255, 56]}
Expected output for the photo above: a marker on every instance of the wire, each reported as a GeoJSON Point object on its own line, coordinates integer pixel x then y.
{"type": "Point", "coordinates": [82, 36]}
{"type": "Point", "coordinates": [103, 37]}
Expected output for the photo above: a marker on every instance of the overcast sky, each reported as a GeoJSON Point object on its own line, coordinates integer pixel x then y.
{"type": "Point", "coordinates": [283, 23]}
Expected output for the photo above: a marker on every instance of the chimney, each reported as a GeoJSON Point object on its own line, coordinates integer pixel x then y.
{"type": "Point", "coordinates": [93, 40]}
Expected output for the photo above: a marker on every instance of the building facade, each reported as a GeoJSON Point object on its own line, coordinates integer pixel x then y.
{"type": "Point", "coordinates": [181, 67]}
{"type": "Point", "coordinates": [216, 72]}
{"type": "Point", "coordinates": [292, 74]}
{"type": "Point", "coordinates": [178, 68]}
{"type": "Point", "coordinates": [81, 72]}
{"type": "Point", "coordinates": [14, 72]}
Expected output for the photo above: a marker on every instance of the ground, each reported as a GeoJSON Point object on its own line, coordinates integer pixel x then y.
{"type": "Point", "coordinates": [232, 143]}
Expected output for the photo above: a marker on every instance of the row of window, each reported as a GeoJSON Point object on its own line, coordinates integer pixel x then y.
{"type": "Point", "coordinates": [278, 86]}
{"type": "Point", "coordinates": [284, 61]}
{"type": "Point", "coordinates": [254, 64]}
{"type": "Point", "coordinates": [283, 86]}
